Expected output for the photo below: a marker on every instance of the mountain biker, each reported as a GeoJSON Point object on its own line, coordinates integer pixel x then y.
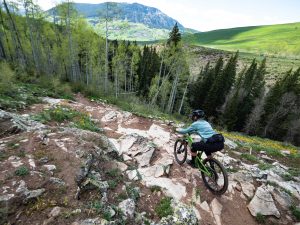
{"type": "Point", "coordinates": [210, 140]}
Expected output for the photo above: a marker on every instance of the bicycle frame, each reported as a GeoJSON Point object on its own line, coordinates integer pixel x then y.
{"type": "Point", "coordinates": [198, 162]}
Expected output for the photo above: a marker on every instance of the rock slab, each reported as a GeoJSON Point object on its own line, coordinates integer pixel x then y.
{"type": "Point", "coordinates": [263, 203]}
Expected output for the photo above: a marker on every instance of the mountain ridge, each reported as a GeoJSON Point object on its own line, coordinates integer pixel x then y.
{"type": "Point", "coordinates": [131, 12]}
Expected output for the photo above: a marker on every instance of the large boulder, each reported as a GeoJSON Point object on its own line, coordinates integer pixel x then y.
{"type": "Point", "coordinates": [170, 187]}
{"type": "Point", "coordinates": [283, 198]}
{"type": "Point", "coordinates": [137, 147]}
{"type": "Point", "coordinates": [11, 123]}
{"type": "Point", "coordinates": [159, 135]}
{"type": "Point", "coordinates": [263, 203]}
{"type": "Point", "coordinates": [245, 179]}
{"type": "Point", "coordinates": [100, 140]}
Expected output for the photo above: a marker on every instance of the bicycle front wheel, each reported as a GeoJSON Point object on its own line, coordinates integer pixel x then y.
{"type": "Point", "coordinates": [180, 151]}
{"type": "Point", "coordinates": [214, 176]}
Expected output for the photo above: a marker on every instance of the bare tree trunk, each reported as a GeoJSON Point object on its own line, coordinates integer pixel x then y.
{"type": "Point", "coordinates": [6, 38]}
{"type": "Point", "coordinates": [183, 96]}
{"type": "Point", "coordinates": [173, 94]}
{"type": "Point", "coordinates": [90, 71]}
{"type": "Point", "coordinates": [18, 45]}
{"type": "Point", "coordinates": [166, 77]}
{"type": "Point", "coordinates": [106, 52]}
{"type": "Point", "coordinates": [86, 69]}
{"type": "Point", "coordinates": [71, 55]}
{"type": "Point", "coordinates": [131, 75]}
{"type": "Point", "coordinates": [160, 69]}
{"type": "Point", "coordinates": [125, 81]}
{"type": "Point", "coordinates": [32, 41]}
{"type": "Point", "coordinates": [116, 84]}
{"type": "Point", "coordinates": [2, 50]}
{"type": "Point", "coordinates": [58, 40]}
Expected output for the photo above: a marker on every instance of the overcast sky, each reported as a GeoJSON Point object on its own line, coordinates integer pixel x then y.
{"type": "Point", "coordinates": [205, 15]}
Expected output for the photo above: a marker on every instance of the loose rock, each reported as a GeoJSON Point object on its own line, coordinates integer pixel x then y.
{"type": "Point", "coordinates": [263, 203]}
{"type": "Point", "coordinates": [127, 207]}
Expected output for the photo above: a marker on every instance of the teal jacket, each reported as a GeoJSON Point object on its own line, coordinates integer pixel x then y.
{"type": "Point", "coordinates": [201, 127]}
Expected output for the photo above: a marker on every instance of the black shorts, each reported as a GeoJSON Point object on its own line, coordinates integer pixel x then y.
{"type": "Point", "coordinates": [208, 148]}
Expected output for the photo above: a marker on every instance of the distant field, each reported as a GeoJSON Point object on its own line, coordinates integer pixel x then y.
{"type": "Point", "coordinates": [283, 39]}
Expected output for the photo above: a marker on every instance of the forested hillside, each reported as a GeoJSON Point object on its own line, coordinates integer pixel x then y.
{"type": "Point", "coordinates": [67, 54]}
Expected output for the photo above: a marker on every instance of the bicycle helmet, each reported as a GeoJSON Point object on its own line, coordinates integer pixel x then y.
{"type": "Point", "coordinates": [198, 113]}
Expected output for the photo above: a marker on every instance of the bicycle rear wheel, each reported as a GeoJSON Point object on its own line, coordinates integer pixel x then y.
{"type": "Point", "coordinates": [216, 179]}
{"type": "Point", "coordinates": [180, 151]}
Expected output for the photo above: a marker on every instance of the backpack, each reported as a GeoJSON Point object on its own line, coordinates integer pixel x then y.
{"type": "Point", "coordinates": [216, 138]}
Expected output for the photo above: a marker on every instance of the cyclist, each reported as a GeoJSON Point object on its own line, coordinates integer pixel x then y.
{"type": "Point", "coordinates": [210, 140]}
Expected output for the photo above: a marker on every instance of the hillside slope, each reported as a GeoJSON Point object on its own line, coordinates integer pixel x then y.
{"type": "Point", "coordinates": [283, 39]}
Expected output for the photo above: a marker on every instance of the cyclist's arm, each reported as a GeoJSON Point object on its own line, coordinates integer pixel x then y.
{"type": "Point", "coordinates": [190, 129]}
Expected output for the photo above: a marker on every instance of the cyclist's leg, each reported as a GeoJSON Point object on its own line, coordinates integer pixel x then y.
{"type": "Point", "coordinates": [193, 154]}
{"type": "Point", "coordinates": [196, 146]}
{"type": "Point", "coordinates": [213, 147]}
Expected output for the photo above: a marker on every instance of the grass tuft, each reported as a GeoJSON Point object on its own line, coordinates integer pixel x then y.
{"type": "Point", "coordinates": [260, 218]}
{"type": "Point", "coordinates": [64, 114]}
{"type": "Point", "coordinates": [296, 212]}
{"type": "Point", "coordinates": [249, 157]}
{"type": "Point", "coordinates": [164, 207]}
{"type": "Point", "coordinates": [22, 171]}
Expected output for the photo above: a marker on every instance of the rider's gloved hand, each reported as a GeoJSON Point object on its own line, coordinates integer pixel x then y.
{"type": "Point", "coordinates": [178, 129]}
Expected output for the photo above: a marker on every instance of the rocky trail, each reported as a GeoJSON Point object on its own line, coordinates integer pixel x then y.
{"type": "Point", "coordinates": [54, 173]}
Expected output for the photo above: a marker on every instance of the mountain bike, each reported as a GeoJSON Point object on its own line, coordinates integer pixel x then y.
{"type": "Point", "coordinates": [212, 171]}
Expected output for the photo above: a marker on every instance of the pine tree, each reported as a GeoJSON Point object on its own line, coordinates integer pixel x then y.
{"type": "Point", "coordinates": [280, 108]}
{"type": "Point", "coordinates": [175, 35]}
{"type": "Point", "coordinates": [224, 79]}
{"type": "Point", "coordinates": [241, 101]}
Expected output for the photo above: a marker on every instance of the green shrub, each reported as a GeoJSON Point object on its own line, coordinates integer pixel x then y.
{"type": "Point", "coordinates": [7, 79]}
{"type": "Point", "coordinates": [287, 176]}
{"type": "Point", "coordinates": [122, 196]}
{"type": "Point", "coordinates": [22, 171]}
{"type": "Point", "coordinates": [107, 215]}
{"type": "Point", "coordinates": [295, 211]}
{"type": "Point", "coordinates": [249, 157]}
{"type": "Point", "coordinates": [97, 206]}
{"type": "Point", "coordinates": [133, 192]}
{"type": "Point", "coordinates": [112, 184]}
{"type": "Point", "coordinates": [84, 122]}
{"type": "Point", "coordinates": [3, 156]}
{"type": "Point", "coordinates": [56, 88]}
{"type": "Point", "coordinates": [295, 172]}
{"type": "Point", "coordinates": [265, 166]}
{"type": "Point", "coordinates": [155, 188]}
{"type": "Point", "coordinates": [260, 218]}
{"type": "Point", "coordinates": [273, 152]}
{"type": "Point", "coordinates": [58, 114]}
{"type": "Point", "coordinates": [114, 173]}
{"type": "Point", "coordinates": [164, 207]}
{"type": "Point", "coordinates": [64, 114]}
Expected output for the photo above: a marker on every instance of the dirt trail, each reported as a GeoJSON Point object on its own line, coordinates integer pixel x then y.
{"type": "Point", "coordinates": [234, 210]}
{"type": "Point", "coordinates": [146, 146]}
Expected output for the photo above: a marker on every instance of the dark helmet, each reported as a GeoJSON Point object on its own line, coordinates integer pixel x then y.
{"type": "Point", "coordinates": [198, 113]}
